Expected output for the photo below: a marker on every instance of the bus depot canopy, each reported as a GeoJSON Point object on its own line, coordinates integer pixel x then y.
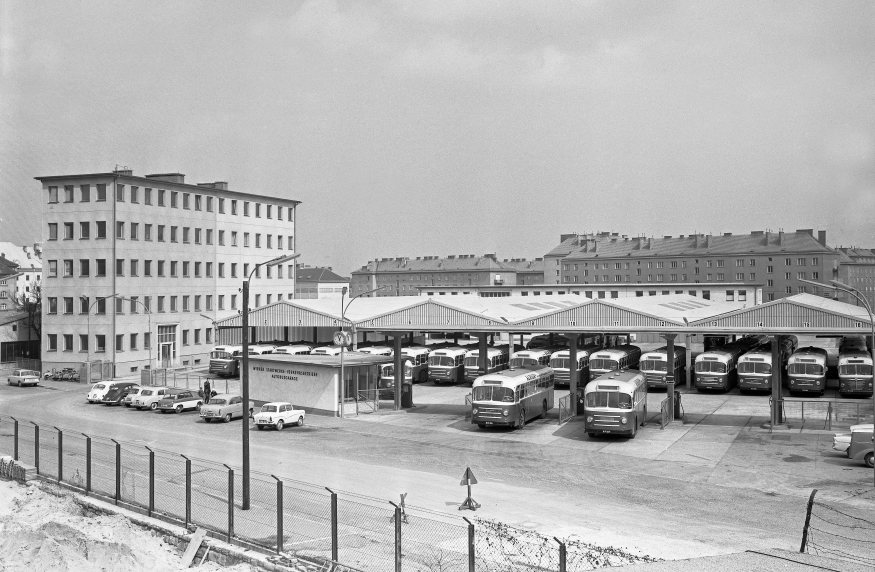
{"type": "Point", "coordinates": [674, 313]}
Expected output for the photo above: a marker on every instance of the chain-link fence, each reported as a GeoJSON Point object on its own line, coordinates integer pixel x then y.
{"type": "Point", "coordinates": [839, 532]}
{"type": "Point", "coordinates": [287, 516]}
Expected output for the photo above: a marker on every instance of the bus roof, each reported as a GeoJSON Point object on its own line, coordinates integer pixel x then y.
{"type": "Point", "coordinates": [453, 351]}
{"type": "Point", "coordinates": [662, 352]}
{"type": "Point", "coordinates": [585, 351]}
{"type": "Point", "coordinates": [376, 350]}
{"type": "Point", "coordinates": [758, 355]}
{"type": "Point", "coordinates": [227, 348]}
{"type": "Point", "coordinates": [855, 355]}
{"type": "Point", "coordinates": [611, 353]}
{"type": "Point", "coordinates": [625, 380]}
{"type": "Point", "coordinates": [414, 351]}
{"type": "Point", "coordinates": [809, 352]}
{"type": "Point", "coordinates": [532, 353]}
{"type": "Point", "coordinates": [513, 377]}
{"type": "Point", "coordinates": [489, 352]}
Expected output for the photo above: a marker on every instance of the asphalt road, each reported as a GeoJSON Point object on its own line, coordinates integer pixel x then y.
{"type": "Point", "coordinates": [665, 508]}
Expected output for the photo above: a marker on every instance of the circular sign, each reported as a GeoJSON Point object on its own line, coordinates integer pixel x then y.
{"type": "Point", "coordinates": [342, 338]}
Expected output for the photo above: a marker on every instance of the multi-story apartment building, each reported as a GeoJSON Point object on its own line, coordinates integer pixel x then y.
{"type": "Point", "coordinates": [318, 282]}
{"type": "Point", "coordinates": [528, 272]}
{"type": "Point", "coordinates": [137, 269]}
{"type": "Point", "coordinates": [403, 276]}
{"type": "Point", "coordinates": [857, 269]}
{"type": "Point", "coordinates": [775, 260]}
{"type": "Point", "coordinates": [30, 267]}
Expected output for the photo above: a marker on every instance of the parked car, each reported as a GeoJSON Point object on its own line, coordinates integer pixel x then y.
{"type": "Point", "coordinates": [21, 377]}
{"type": "Point", "coordinates": [118, 391]}
{"type": "Point", "coordinates": [224, 406]}
{"type": "Point", "coordinates": [863, 446]}
{"type": "Point", "coordinates": [148, 397]}
{"type": "Point", "coordinates": [277, 414]}
{"type": "Point", "coordinates": [98, 390]}
{"type": "Point", "coordinates": [841, 442]}
{"type": "Point", "coordinates": [179, 401]}
{"type": "Point", "coordinates": [129, 398]}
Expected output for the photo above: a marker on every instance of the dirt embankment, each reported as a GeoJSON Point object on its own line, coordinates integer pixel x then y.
{"type": "Point", "coordinates": [42, 531]}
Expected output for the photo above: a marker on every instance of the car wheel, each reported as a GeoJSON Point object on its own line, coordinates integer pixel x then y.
{"type": "Point", "coordinates": [544, 410]}
{"type": "Point", "coordinates": [279, 425]}
{"type": "Point", "coordinates": [301, 421]}
{"type": "Point", "coordinates": [591, 435]}
{"type": "Point", "coordinates": [19, 383]}
{"type": "Point", "coordinates": [153, 406]}
{"type": "Point", "coordinates": [521, 421]}
{"type": "Point", "coordinates": [163, 411]}
{"type": "Point", "coordinates": [198, 406]}
{"type": "Point", "coordinates": [481, 425]}
{"type": "Point", "coordinates": [207, 419]}
{"type": "Point", "coordinates": [869, 460]}
{"type": "Point", "coordinates": [260, 427]}
{"type": "Point", "coordinates": [228, 418]}
{"type": "Point", "coordinates": [179, 408]}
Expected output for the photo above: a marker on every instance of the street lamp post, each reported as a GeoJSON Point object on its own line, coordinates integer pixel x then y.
{"type": "Point", "coordinates": [244, 368]}
{"type": "Point", "coordinates": [343, 309]}
{"type": "Point", "coordinates": [88, 330]}
{"type": "Point", "coordinates": [835, 284]}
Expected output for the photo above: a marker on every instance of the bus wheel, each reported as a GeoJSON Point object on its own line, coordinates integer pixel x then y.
{"type": "Point", "coordinates": [481, 425]}
{"type": "Point", "coordinates": [644, 419]}
{"type": "Point", "coordinates": [635, 428]}
{"type": "Point", "coordinates": [521, 422]}
{"type": "Point", "coordinates": [591, 435]}
{"type": "Point", "coordinates": [423, 376]}
{"type": "Point", "coordinates": [544, 410]}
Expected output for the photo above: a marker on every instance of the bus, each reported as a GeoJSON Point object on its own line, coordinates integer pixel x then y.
{"type": "Point", "coordinates": [377, 350]}
{"type": "Point", "coordinates": [222, 362]}
{"type": "Point", "coordinates": [387, 378]}
{"type": "Point", "coordinates": [326, 351]}
{"type": "Point", "coordinates": [294, 350]}
{"type": "Point", "coordinates": [755, 366]}
{"type": "Point", "coordinates": [624, 356]}
{"type": "Point", "coordinates": [496, 360]}
{"type": "Point", "coordinates": [806, 370]}
{"type": "Point", "coordinates": [855, 372]}
{"type": "Point", "coordinates": [512, 397]}
{"type": "Point", "coordinates": [615, 403]}
{"type": "Point", "coordinates": [653, 365]}
{"type": "Point", "coordinates": [555, 341]}
{"type": "Point", "coordinates": [447, 364]}
{"type": "Point", "coordinates": [717, 367]}
{"type": "Point", "coordinates": [418, 357]}
{"type": "Point", "coordinates": [560, 365]}
{"type": "Point", "coordinates": [537, 357]}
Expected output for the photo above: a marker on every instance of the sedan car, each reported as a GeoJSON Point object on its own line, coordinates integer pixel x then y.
{"type": "Point", "coordinates": [98, 390]}
{"type": "Point", "coordinates": [117, 392]}
{"type": "Point", "coordinates": [842, 441]}
{"type": "Point", "coordinates": [277, 414]}
{"type": "Point", "coordinates": [21, 377]}
{"type": "Point", "coordinates": [179, 401]}
{"type": "Point", "coordinates": [149, 397]}
{"type": "Point", "coordinates": [132, 393]}
{"type": "Point", "coordinates": [224, 406]}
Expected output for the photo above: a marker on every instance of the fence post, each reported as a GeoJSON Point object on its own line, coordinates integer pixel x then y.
{"type": "Point", "coordinates": [60, 454]}
{"type": "Point", "coordinates": [562, 554]}
{"type": "Point", "coordinates": [36, 447]}
{"type": "Point", "coordinates": [87, 463]}
{"type": "Point", "coordinates": [118, 470]}
{"type": "Point", "coordinates": [279, 515]}
{"type": "Point", "coordinates": [230, 503]}
{"type": "Point", "coordinates": [807, 521]}
{"type": "Point", "coordinates": [829, 416]}
{"type": "Point", "coordinates": [15, 443]}
{"type": "Point", "coordinates": [472, 556]}
{"type": "Point", "coordinates": [151, 481]}
{"type": "Point", "coordinates": [187, 490]}
{"type": "Point", "coordinates": [397, 520]}
{"type": "Point", "coordinates": [334, 546]}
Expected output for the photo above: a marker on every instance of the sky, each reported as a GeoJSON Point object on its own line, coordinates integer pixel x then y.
{"type": "Point", "coordinates": [438, 127]}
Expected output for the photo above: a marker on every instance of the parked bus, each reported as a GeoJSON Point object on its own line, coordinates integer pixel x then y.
{"type": "Point", "coordinates": [654, 365]}
{"type": "Point", "coordinates": [806, 370]}
{"type": "Point", "coordinates": [447, 364]}
{"type": "Point", "coordinates": [418, 357]}
{"type": "Point", "coordinates": [222, 362]}
{"type": "Point", "coordinates": [294, 350]}
{"type": "Point", "coordinates": [624, 356]}
{"type": "Point", "coordinates": [387, 378]}
{"type": "Point", "coordinates": [560, 365]}
{"type": "Point", "coordinates": [755, 366]}
{"type": "Point", "coordinates": [512, 397]}
{"type": "Point", "coordinates": [853, 343]}
{"type": "Point", "coordinates": [496, 360]}
{"type": "Point", "coordinates": [615, 403]}
{"type": "Point", "coordinates": [538, 357]}
{"type": "Point", "coordinates": [559, 341]}
{"type": "Point", "coordinates": [717, 368]}
{"type": "Point", "coordinates": [377, 350]}
{"type": "Point", "coordinates": [326, 351]}
{"type": "Point", "coordinates": [855, 372]}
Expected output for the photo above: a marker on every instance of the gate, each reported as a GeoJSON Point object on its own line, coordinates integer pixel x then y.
{"type": "Point", "coordinates": [565, 409]}
{"type": "Point", "coordinates": [469, 404]}
{"type": "Point", "coordinates": [94, 371]}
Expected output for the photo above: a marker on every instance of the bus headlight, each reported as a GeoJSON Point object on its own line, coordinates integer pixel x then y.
{"type": "Point", "coordinates": [504, 412]}
{"type": "Point", "coordinates": [623, 420]}
{"type": "Point", "coordinates": [474, 411]}
{"type": "Point", "coordinates": [663, 378]}
{"type": "Point", "coordinates": [817, 383]}
{"type": "Point", "coordinates": [589, 419]}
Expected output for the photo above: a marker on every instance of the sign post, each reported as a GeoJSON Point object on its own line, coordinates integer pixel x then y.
{"type": "Point", "coordinates": [469, 479]}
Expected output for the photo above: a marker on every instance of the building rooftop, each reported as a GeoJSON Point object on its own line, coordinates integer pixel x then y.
{"type": "Point", "coordinates": [27, 256]}
{"type": "Point", "coordinates": [318, 274]}
{"type": "Point", "coordinates": [460, 263]}
{"type": "Point", "coordinates": [349, 359]}
{"type": "Point", "coordinates": [522, 265]}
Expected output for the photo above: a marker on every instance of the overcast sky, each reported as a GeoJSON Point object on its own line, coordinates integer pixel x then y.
{"type": "Point", "coordinates": [436, 127]}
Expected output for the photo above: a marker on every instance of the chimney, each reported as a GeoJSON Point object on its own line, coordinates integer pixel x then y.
{"type": "Point", "coordinates": [564, 237]}
{"type": "Point", "coordinates": [649, 244]}
{"type": "Point", "coordinates": [123, 171]}
{"type": "Point", "coordinates": [168, 177]}
{"type": "Point", "coordinates": [808, 231]}
{"type": "Point", "coordinates": [707, 241]}
{"type": "Point", "coordinates": [781, 238]}
{"type": "Point", "coordinates": [727, 234]}
{"type": "Point", "coordinates": [595, 246]}
{"type": "Point", "coordinates": [221, 185]}
{"type": "Point", "coordinates": [821, 237]}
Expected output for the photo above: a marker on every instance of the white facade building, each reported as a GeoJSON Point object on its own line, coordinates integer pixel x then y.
{"type": "Point", "coordinates": [174, 255]}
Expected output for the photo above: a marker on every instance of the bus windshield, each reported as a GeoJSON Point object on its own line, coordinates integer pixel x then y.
{"type": "Point", "coordinates": [754, 367]}
{"type": "Point", "coordinates": [445, 361]}
{"type": "Point", "coordinates": [855, 369]}
{"type": "Point", "coordinates": [493, 393]}
{"type": "Point", "coordinates": [220, 355]}
{"type": "Point", "coordinates": [606, 364]}
{"type": "Point", "coordinates": [472, 361]}
{"type": "Point", "coordinates": [710, 367]}
{"type": "Point", "coordinates": [523, 361]}
{"type": "Point", "coordinates": [805, 369]}
{"type": "Point", "coordinates": [611, 399]}
{"type": "Point", "coordinates": [559, 363]}
{"type": "Point", "coordinates": [653, 365]}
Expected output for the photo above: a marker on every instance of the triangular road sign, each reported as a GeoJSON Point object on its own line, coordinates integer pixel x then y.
{"type": "Point", "coordinates": [468, 478]}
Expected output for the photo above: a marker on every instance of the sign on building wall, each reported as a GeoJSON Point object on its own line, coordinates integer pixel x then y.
{"type": "Point", "coordinates": [303, 385]}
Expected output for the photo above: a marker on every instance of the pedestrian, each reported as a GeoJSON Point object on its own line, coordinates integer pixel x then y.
{"type": "Point", "coordinates": [207, 393]}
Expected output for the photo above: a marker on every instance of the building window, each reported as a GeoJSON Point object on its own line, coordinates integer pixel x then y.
{"type": "Point", "coordinates": [134, 267]}
{"type": "Point", "coordinates": [135, 231]}
{"type": "Point", "coordinates": [209, 236]}
{"type": "Point", "coordinates": [770, 297]}
{"type": "Point", "coordinates": [147, 196]}
{"type": "Point", "coordinates": [257, 240]}
{"type": "Point", "coordinates": [709, 263]}
{"type": "Point", "coordinates": [174, 199]}
{"type": "Point", "coordinates": [269, 209]}
{"type": "Point", "coordinates": [787, 276]}
{"type": "Point", "coordinates": [257, 210]}
{"type": "Point", "coordinates": [185, 337]}
{"type": "Point", "coordinates": [197, 336]}
{"type": "Point", "coordinates": [730, 295]}
{"type": "Point", "coordinates": [739, 275]}
{"type": "Point", "coordinates": [209, 301]}
{"type": "Point", "coordinates": [53, 340]}
{"type": "Point", "coordinates": [233, 270]}
{"type": "Point", "coordinates": [120, 230]}
{"type": "Point", "coordinates": [209, 269]}
{"type": "Point", "coordinates": [221, 238]}
{"type": "Point", "coordinates": [233, 238]}
{"type": "Point", "coordinates": [800, 276]}
{"type": "Point", "coordinates": [245, 208]}
{"type": "Point", "coordinates": [210, 204]}
{"type": "Point", "coordinates": [245, 239]}
{"type": "Point", "coordinates": [221, 302]}
{"type": "Point", "coordinates": [233, 301]}
{"type": "Point", "coordinates": [84, 267]}
{"type": "Point", "coordinates": [84, 230]}
{"type": "Point", "coordinates": [147, 268]}
{"type": "Point", "coordinates": [119, 306]}
{"type": "Point", "coordinates": [233, 207]}
{"type": "Point", "coordinates": [119, 267]}
{"type": "Point", "coordinates": [173, 233]}
{"type": "Point", "coordinates": [185, 200]}
{"type": "Point", "coordinates": [84, 193]}
{"type": "Point", "coordinates": [815, 261]}
{"type": "Point", "coordinates": [120, 342]}
{"type": "Point", "coordinates": [173, 304]}
{"type": "Point", "coordinates": [133, 342]}
{"type": "Point", "coordinates": [53, 231]}
{"type": "Point", "coordinates": [185, 267]}
{"type": "Point", "coordinates": [221, 270]}
{"type": "Point", "coordinates": [788, 262]}
{"type": "Point", "coordinates": [100, 343]}
{"type": "Point", "coordinates": [161, 195]}
{"type": "Point", "coordinates": [147, 341]}
{"type": "Point", "coordinates": [197, 236]}
{"type": "Point", "coordinates": [160, 303]}
{"type": "Point", "coordinates": [197, 269]}
{"type": "Point", "coordinates": [120, 193]}
{"type": "Point", "coordinates": [815, 275]}
{"type": "Point", "coordinates": [185, 235]}
{"type": "Point", "coordinates": [174, 266]}
{"type": "Point", "coordinates": [101, 267]}
{"type": "Point", "coordinates": [53, 268]}
{"type": "Point", "coordinates": [185, 307]}
{"type": "Point", "coordinates": [800, 262]}
{"type": "Point", "coordinates": [291, 243]}
{"type": "Point", "coordinates": [197, 202]}
{"type": "Point", "coordinates": [208, 335]}
{"type": "Point", "coordinates": [222, 206]}
{"type": "Point", "coordinates": [134, 194]}
{"type": "Point", "coordinates": [68, 231]}
{"type": "Point", "coordinates": [789, 289]}
{"type": "Point", "coordinates": [83, 342]}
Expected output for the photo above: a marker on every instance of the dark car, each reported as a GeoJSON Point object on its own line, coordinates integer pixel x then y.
{"type": "Point", "coordinates": [118, 391]}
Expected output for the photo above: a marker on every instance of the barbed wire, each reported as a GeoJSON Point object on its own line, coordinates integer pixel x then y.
{"type": "Point", "coordinates": [842, 554]}
{"type": "Point", "coordinates": [852, 526]}
{"type": "Point", "coordinates": [844, 514]}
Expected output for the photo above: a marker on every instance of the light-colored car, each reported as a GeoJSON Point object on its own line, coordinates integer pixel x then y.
{"type": "Point", "coordinates": [842, 441]}
{"type": "Point", "coordinates": [21, 377]}
{"type": "Point", "coordinates": [97, 391]}
{"type": "Point", "coordinates": [278, 414]}
{"type": "Point", "coordinates": [148, 397]}
{"type": "Point", "coordinates": [179, 401]}
{"type": "Point", "coordinates": [224, 406]}
{"type": "Point", "coordinates": [129, 398]}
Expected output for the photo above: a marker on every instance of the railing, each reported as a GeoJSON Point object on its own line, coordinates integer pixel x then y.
{"type": "Point", "coordinates": [28, 363]}
{"type": "Point", "coordinates": [367, 401]}
{"type": "Point", "coordinates": [664, 413]}
{"type": "Point", "coordinates": [184, 379]}
{"type": "Point", "coordinates": [822, 414]}
{"type": "Point", "coordinates": [286, 516]}
{"type": "Point", "coordinates": [565, 412]}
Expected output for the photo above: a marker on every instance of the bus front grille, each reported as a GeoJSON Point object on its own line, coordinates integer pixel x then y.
{"type": "Point", "coordinates": [854, 384]}
{"type": "Point", "coordinates": [489, 412]}
{"type": "Point", "coordinates": [756, 381]}
{"type": "Point", "coordinates": [654, 378]}
{"type": "Point", "coordinates": [603, 420]}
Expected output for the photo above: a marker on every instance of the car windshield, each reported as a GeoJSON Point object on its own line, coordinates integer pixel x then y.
{"type": "Point", "coordinates": [653, 365]}
{"type": "Point", "coordinates": [146, 392]}
{"type": "Point", "coordinates": [445, 361]}
{"type": "Point", "coordinates": [754, 367]}
{"type": "Point", "coordinates": [522, 361]}
{"type": "Point", "coordinates": [612, 399]}
{"type": "Point", "coordinates": [710, 367]}
{"type": "Point", "coordinates": [603, 364]}
{"type": "Point", "coordinates": [99, 386]}
{"type": "Point", "coordinates": [493, 393]}
{"type": "Point", "coordinates": [268, 409]}
{"type": "Point", "coordinates": [855, 369]}
{"type": "Point", "coordinates": [805, 369]}
{"type": "Point", "coordinates": [217, 401]}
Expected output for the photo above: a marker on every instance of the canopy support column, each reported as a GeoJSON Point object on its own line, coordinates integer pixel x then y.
{"type": "Point", "coordinates": [689, 364]}
{"type": "Point", "coordinates": [777, 417]}
{"type": "Point", "coordinates": [399, 370]}
{"type": "Point", "coordinates": [572, 372]}
{"type": "Point", "coordinates": [669, 373]}
{"type": "Point", "coordinates": [483, 359]}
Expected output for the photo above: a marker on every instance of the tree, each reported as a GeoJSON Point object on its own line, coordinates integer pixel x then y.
{"type": "Point", "coordinates": [31, 303]}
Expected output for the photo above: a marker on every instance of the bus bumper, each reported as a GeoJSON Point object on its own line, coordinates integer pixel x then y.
{"type": "Point", "coordinates": [718, 383]}
{"type": "Point", "coordinates": [806, 385]}
{"type": "Point", "coordinates": [755, 383]}
{"type": "Point", "coordinates": [859, 387]}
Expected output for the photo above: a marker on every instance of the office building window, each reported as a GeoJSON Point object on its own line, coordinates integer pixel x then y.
{"type": "Point", "coordinates": [185, 200]}
{"type": "Point", "coordinates": [185, 230]}
{"type": "Point", "coordinates": [83, 342]}
{"type": "Point", "coordinates": [135, 264]}
{"type": "Point", "coordinates": [245, 208]}
{"type": "Point", "coordinates": [68, 231]}
{"type": "Point", "coordinates": [233, 238]}
{"type": "Point", "coordinates": [147, 232]}
{"type": "Point", "coordinates": [100, 343]}
{"type": "Point", "coordinates": [84, 193]}
{"type": "Point", "coordinates": [133, 342]}
{"type": "Point", "coordinates": [291, 243]}
{"type": "Point", "coordinates": [197, 336]}
{"type": "Point", "coordinates": [209, 301]}
{"type": "Point", "coordinates": [53, 340]}
{"type": "Point", "coordinates": [210, 204]}
{"type": "Point", "coordinates": [221, 302]}
{"type": "Point", "coordinates": [53, 231]}
{"type": "Point", "coordinates": [222, 206]}
{"type": "Point", "coordinates": [68, 268]}
{"type": "Point", "coordinates": [101, 306]}
{"type": "Point", "coordinates": [197, 236]}
{"type": "Point", "coordinates": [174, 199]}
{"type": "Point", "coordinates": [120, 230]}
{"type": "Point", "coordinates": [101, 267]}
{"type": "Point", "coordinates": [120, 193]}
{"type": "Point", "coordinates": [147, 196]}
{"type": "Point", "coordinates": [185, 337]}
{"type": "Point", "coordinates": [173, 306]}
{"type": "Point", "coordinates": [84, 230]}
{"type": "Point", "coordinates": [161, 195]}
{"type": "Point", "coordinates": [135, 231]}
{"type": "Point", "coordinates": [185, 265]}
{"type": "Point", "coordinates": [174, 266]}
{"type": "Point", "coordinates": [197, 202]}
{"type": "Point", "coordinates": [135, 194]}
{"type": "Point", "coordinates": [83, 305]}
{"type": "Point", "coordinates": [233, 207]}
{"type": "Point", "coordinates": [221, 238]}
{"type": "Point", "coordinates": [279, 242]}
{"type": "Point", "coordinates": [209, 269]}
{"type": "Point", "coordinates": [221, 270]}
{"type": "Point", "coordinates": [209, 236]}
{"type": "Point", "coordinates": [119, 267]}
{"type": "Point", "coordinates": [147, 341]}
{"type": "Point", "coordinates": [233, 301]}
{"type": "Point", "coordinates": [160, 303]}
{"type": "Point", "coordinates": [120, 342]}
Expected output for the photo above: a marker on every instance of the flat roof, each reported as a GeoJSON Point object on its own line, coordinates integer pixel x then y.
{"type": "Point", "coordinates": [350, 359]}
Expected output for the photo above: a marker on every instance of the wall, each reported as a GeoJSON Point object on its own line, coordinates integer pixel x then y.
{"type": "Point", "coordinates": [309, 387]}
